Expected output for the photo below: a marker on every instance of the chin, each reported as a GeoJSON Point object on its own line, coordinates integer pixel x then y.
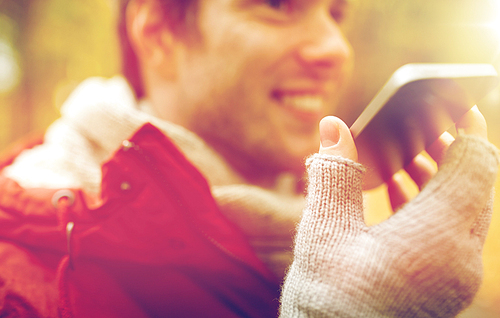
{"type": "Point", "coordinates": [298, 149]}
{"type": "Point", "coordinates": [293, 161]}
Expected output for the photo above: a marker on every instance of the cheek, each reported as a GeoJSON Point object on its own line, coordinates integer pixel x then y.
{"type": "Point", "coordinates": [240, 44]}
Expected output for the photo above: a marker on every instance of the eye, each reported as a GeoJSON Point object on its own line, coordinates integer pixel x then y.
{"type": "Point", "coordinates": [279, 11]}
{"type": "Point", "coordinates": [278, 4]}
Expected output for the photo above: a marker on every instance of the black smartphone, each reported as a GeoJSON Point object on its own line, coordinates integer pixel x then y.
{"type": "Point", "coordinates": [417, 104]}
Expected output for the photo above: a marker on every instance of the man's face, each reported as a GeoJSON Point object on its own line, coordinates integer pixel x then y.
{"type": "Point", "coordinates": [260, 76]}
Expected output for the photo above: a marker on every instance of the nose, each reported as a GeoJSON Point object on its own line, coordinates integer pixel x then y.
{"type": "Point", "coordinates": [324, 44]}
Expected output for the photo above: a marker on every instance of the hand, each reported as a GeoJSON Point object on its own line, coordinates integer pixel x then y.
{"type": "Point", "coordinates": [422, 169]}
{"type": "Point", "coordinates": [424, 261]}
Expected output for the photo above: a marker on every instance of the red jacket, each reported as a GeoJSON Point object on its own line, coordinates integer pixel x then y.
{"type": "Point", "coordinates": [154, 244]}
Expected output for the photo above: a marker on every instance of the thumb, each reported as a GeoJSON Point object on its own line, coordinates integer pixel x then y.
{"type": "Point", "coordinates": [334, 201]}
{"type": "Point", "coordinates": [473, 123]}
{"type": "Point", "coordinates": [336, 139]}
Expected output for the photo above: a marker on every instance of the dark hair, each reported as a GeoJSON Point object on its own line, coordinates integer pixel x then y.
{"type": "Point", "coordinates": [175, 14]}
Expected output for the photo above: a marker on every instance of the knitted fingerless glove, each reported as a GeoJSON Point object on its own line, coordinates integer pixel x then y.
{"type": "Point", "coordinates": [424, 261]}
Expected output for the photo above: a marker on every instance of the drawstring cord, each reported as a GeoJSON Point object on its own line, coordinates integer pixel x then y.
{"type": "Point", "coordinates": [62, 200]}
{"type": "Point", "coordinates": [64, 307]}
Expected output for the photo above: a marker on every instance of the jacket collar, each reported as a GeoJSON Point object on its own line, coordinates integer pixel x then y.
{"type": "Point", "coordinates": [100, 114]}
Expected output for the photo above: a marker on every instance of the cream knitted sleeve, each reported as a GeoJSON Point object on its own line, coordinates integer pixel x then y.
{"type": "Point", "coordinates": [424, 261]}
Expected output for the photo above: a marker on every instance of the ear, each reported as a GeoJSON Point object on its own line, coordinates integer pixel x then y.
{"type": "Point", "coordinates": [150, 36]}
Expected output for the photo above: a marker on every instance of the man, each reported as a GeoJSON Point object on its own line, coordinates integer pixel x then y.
{"type": "Point", "coordinates": [180, 198]}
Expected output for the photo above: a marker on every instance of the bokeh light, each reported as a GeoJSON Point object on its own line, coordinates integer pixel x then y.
{"type": "Point", "coordinates": [9, 68]}
{"type": "Point", "coordinates": [494, 20]}
{"type": "Point", "coordinates": [10, 71]}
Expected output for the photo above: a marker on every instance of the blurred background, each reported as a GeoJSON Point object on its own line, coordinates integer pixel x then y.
{"type": "Point", "coordinates": [48, 46]}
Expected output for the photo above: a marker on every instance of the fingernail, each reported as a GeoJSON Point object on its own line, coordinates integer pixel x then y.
{"type": "Point", "coordinates": [329, 133]}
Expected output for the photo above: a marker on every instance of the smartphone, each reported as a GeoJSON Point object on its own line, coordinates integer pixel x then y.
{"type": "Point", "coordinates": [416, 105]}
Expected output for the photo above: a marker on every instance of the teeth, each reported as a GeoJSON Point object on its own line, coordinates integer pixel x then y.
{"type": "Point", "coordinates": [304, 103]}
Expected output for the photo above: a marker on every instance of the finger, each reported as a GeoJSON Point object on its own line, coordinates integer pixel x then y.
{"type": "Point", "coordinates": [454, 198]}
{"type": "Point", "coordinates": [421, 169]}
{"type": "Point", "coordinates": [399, 193]}
{"type": "Point", "coordinates": [439, 147]}
{"type": "Point", "coordinates": [334, 194]}
{"type": "Point", "coordinates": [336, 138]}
{"type": "Point", "coordinates": [473, 123]}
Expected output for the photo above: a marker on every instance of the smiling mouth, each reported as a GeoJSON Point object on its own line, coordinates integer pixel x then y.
{"type": "Point", "coordinates": [306, 103]}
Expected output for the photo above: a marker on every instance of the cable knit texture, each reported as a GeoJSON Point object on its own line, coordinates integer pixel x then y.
{"type": "Point", "coordinates": [424, 261]}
